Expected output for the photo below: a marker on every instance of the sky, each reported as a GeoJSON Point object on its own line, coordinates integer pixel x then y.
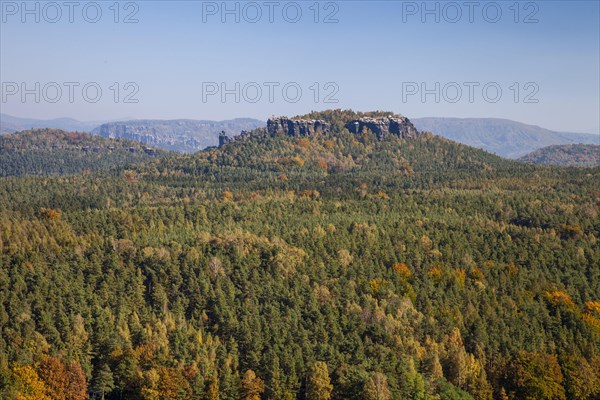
{"type": "Point", "coordinates": [536, 62]}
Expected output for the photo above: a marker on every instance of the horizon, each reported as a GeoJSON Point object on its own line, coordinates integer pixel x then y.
{"type": "Point", "coordinates": [101, 122]}
{"type": "Point", "coordinates": [532, 62]}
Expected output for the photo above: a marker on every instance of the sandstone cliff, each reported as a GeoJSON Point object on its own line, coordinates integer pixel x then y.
{"type": "Point", "coordinates": [295, 127]}
{"type": "Point", "coordinates": [394, 125]}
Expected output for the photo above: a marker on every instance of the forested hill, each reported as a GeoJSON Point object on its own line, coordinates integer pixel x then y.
{"type": "Point", "coordinates": [335, 161]}
{"type": "Point", "coordinates": [332, 266]}
{"type": "Point", "coordinates": [568, 155]}
{"type": "Point", "coordinates": [52, 151]}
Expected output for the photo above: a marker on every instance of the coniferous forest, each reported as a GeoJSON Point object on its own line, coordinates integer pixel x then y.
{"type": "Point", "coordinates": [335, 266]}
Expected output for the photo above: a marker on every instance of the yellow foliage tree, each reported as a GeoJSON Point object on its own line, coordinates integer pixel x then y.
{"type": "Point", "coordinates": [227, 196]}
{"type": "Point", "coordinates": [402, 270]}
{"type": "Point", "coordinates": [28, 383]}
{"type": "Point", "coordinates": [252, 386]}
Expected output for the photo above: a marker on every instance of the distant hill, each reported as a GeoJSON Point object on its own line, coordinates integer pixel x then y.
{"type": "Point", "coordinates": [569, 155]}
{"type": "Point", "coordinates": [54, 152]}
{"type": "Point", "coordinates": [10, 124]}
{"type": "Point", "coordinates": [504, 137]}
{"type": "Point", "coordinates": [184, 135]}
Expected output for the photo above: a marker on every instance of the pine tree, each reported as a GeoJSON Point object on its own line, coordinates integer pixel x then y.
{"type": "Point", "coordinates": [103, 382]}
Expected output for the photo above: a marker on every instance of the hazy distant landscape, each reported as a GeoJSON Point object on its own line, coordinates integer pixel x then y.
{"type": "Point", "coordinates": [506, 138]}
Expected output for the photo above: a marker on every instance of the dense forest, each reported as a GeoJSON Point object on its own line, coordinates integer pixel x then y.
{"type": "Point", "coordinates": [52, 151]}
{"type": "Point", "coordinates": [336, 266]}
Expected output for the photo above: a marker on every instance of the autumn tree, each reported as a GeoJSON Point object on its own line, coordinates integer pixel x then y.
{"type": "Point", "coordinates": [535, 376]}
{"type": "Point", "coordinates": [252, 386]}
{"type": "Point", "coordinates": [64, 380]}
{"type": "Point", "coordinates": [376, 388]}
{"type": "Point", "coordinates": [213, 388]}
{"type": "Point", "coordinates": [53, 372]}
{"type": "Point", "coordinates": [581, 381]}
{"type": "Point", "coordinates": [28, 383]}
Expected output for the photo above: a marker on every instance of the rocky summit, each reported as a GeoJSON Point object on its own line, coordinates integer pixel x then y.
{"type": "Point", "coordinates": [381, 126]}
{"type": "Point", "coordinates": [295, 127]}
{"type": "Point", "coordinates": [396, 125]}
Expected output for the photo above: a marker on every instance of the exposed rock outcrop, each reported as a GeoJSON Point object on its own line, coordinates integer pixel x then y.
{"type": "Point", "coordinates": [223, 138]}
{"type": "Point", "coordinates": [394, 125]}
{"type": "Point", "coordinates": [295, 127]}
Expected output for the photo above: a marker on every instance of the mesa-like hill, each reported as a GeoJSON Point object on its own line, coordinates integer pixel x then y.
{"type": "Point", "coordinates": [338, 148]}
{"type": "Point", "coordinates": [504, 137]}
{"type": "Point", "coordinates": [181, 135]}
{"type": "Point", "coordinates": [568, 155]}
{"type": "Point", "coordinates": [52, 151]}
{"type": "Point", "coordinates": [338, 252]}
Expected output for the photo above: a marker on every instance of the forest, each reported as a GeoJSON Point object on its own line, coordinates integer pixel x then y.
{"type": "Point", "coordinates": [573, 155]}
{"type": "Point", "coordinates": [55, 152]}
{"type": "Point", "coordinates": [336, 266]}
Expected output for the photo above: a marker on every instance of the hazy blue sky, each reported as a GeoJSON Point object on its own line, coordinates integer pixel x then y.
{"type": "Point", "coordinates": [378, 55]}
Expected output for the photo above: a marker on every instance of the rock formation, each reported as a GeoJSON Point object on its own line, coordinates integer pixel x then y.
{"type": "Point", "coordinates": [295, 127]}
{"type": "Point", "coordinates": [394, 125]}
{"type": "Point", "coordinates": [223, 138]}
{"type": "Point", "coordinates": [381, 126]}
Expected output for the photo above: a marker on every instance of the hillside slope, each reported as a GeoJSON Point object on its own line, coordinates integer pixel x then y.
{"type": "Point", "coordinates": [568, 155]}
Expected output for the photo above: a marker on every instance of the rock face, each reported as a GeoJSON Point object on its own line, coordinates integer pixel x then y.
{"type": "Point", "coordinates": [223, 139]}
{"type": "Point", "coordinates": [295, 127]}
{"type": "Point", "coordinates": [392, 125]}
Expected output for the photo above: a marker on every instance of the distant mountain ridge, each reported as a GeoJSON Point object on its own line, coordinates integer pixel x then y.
{"type": "Point", "coordinates": [184, 135]}
{"type": "Point", "coordinates": [11, 124]}
{"type": "Point", "coordinates": [503, 137]}
{"type": "Point", "coordinates": [568, 155]}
